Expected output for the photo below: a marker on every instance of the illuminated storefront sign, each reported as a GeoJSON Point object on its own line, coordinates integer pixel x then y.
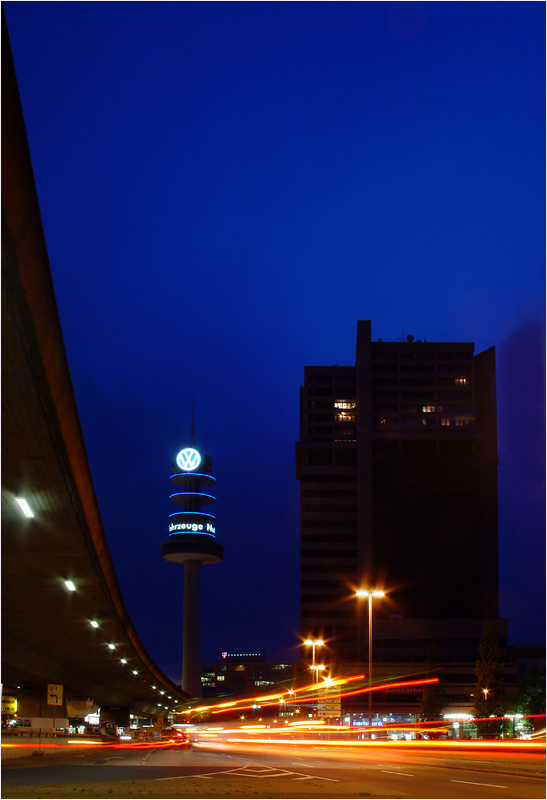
{"type": "Point", "coordinates": [9, 704]}
{"type": "Point", "coordinates": [195, 527]}
{"type": "Point", "coordinates": [188, 459]}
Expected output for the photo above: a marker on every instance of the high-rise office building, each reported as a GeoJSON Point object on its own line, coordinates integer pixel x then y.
{"type": "Point", "coordinates": [397, 463]}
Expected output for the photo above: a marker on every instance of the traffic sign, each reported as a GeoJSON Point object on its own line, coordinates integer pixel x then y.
{"type": "Point", "coordinates": [54, 694]}
{"type": "Point", "coordinates": [108, 727]}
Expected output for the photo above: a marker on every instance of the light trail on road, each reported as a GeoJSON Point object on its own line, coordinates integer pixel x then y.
{"type": "Point", "coordinates": [246, 763]}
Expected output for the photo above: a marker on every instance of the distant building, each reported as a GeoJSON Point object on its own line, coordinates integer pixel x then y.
{"type": "Point", "coordinates": [397, 463]}
{"type": "Point", "coordinates": [192, 542]}
{"type": "Point", "coordinates": [242, 673]}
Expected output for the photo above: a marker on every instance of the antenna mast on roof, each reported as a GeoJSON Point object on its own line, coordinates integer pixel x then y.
{"type": "Point", "coordinates": [192, 429]}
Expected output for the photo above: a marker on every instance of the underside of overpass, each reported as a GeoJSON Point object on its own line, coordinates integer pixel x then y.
{"type": "Point", "coordinates": [47, 635]}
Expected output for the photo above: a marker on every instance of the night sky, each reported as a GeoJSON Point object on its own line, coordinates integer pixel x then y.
{"type": "Point", "coordinates": [226, 188]}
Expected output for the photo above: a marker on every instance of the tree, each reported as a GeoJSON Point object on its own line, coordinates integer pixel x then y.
{"type": "Point", "coordinates": [433, 698]}
{"type": "Point", "coordinates": [488, 700]}
{"type": "Point", "coordinates": [530, 696]}
{"type": "Point", "coordinates": [534, 689]}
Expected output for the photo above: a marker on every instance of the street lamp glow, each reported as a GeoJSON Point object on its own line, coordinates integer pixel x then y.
{"type": "Point", "coordinates": [93, 623]}
{"type": "Point", "coordinates": [24, 506]}
{"type": "Point", "coordinates": [70, 586]}
{"type": "Point", "coordinates": [313, 643]}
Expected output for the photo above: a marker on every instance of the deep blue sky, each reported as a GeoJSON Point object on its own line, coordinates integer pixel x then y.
{"type": "Point", "coordinates": [226, 188]}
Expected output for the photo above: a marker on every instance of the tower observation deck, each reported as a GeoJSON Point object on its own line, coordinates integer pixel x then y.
{"type": "Point", "coordinates": [192, 542]}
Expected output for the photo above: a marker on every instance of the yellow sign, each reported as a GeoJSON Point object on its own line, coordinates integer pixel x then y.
{"type": "Point", "coordinates": [9, 704]}
{"type": "Point", "coordinates": [54, 694]}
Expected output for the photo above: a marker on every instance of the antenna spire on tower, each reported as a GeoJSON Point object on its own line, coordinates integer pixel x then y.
{"type": "Point", "coordinates": [192, 429]}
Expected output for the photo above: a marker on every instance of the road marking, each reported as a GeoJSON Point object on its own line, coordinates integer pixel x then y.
{"type": "Point", "coordinates": [389, 772]}
{"type": "Point", "coordinates": [260, 769]}
{"type": "Point", "coordinates": [249, 771]}
{"type": "Point", "coordinates": [473, 783]}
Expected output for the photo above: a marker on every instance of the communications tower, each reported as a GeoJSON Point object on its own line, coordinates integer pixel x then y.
{"type": "Point", "coordinates": [192, 543]}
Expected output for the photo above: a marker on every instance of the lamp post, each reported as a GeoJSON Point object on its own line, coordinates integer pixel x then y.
{"type": "Point", "coordinates": [313, 643]}
{"type": "Point", "coordinates": [317, 667]}
{"type": "Point", "coordinates": [370, 593]}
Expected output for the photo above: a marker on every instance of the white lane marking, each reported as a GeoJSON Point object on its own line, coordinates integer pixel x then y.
{"type": "Point", "coordinates": [248, 771]}
{"type": "Point", "coordinates": [178, 777]}
{"type": "Point", "coordinates": [260, 769]}
{"type": "Point", "coordinates": [389, 772]}
{"type": "Point", "coordinates": [473, 783]}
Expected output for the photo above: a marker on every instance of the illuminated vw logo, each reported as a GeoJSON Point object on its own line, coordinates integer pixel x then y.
{"type": "Point", "coordinates": [188, 459]}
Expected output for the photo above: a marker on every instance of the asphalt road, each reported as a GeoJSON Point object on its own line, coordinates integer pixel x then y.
{"type": "Point", "coordinates": [267, 770]}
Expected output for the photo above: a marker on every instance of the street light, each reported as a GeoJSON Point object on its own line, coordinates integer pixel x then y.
{"type": "Point", "coordinates": [370, 593]}
{"type": "Point", "coordinates": [317, 667]}
{"type": "Point", "coordinates": [313, 643]}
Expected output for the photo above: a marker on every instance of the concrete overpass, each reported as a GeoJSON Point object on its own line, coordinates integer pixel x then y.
{"type": "Point", "coordinates": [47, 635]}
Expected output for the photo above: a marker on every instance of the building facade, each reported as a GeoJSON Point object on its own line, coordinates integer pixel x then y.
{"type": "Point", "coordinates": [245, 673]}
{"type": "Point", "coordinates": [397, 463]}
